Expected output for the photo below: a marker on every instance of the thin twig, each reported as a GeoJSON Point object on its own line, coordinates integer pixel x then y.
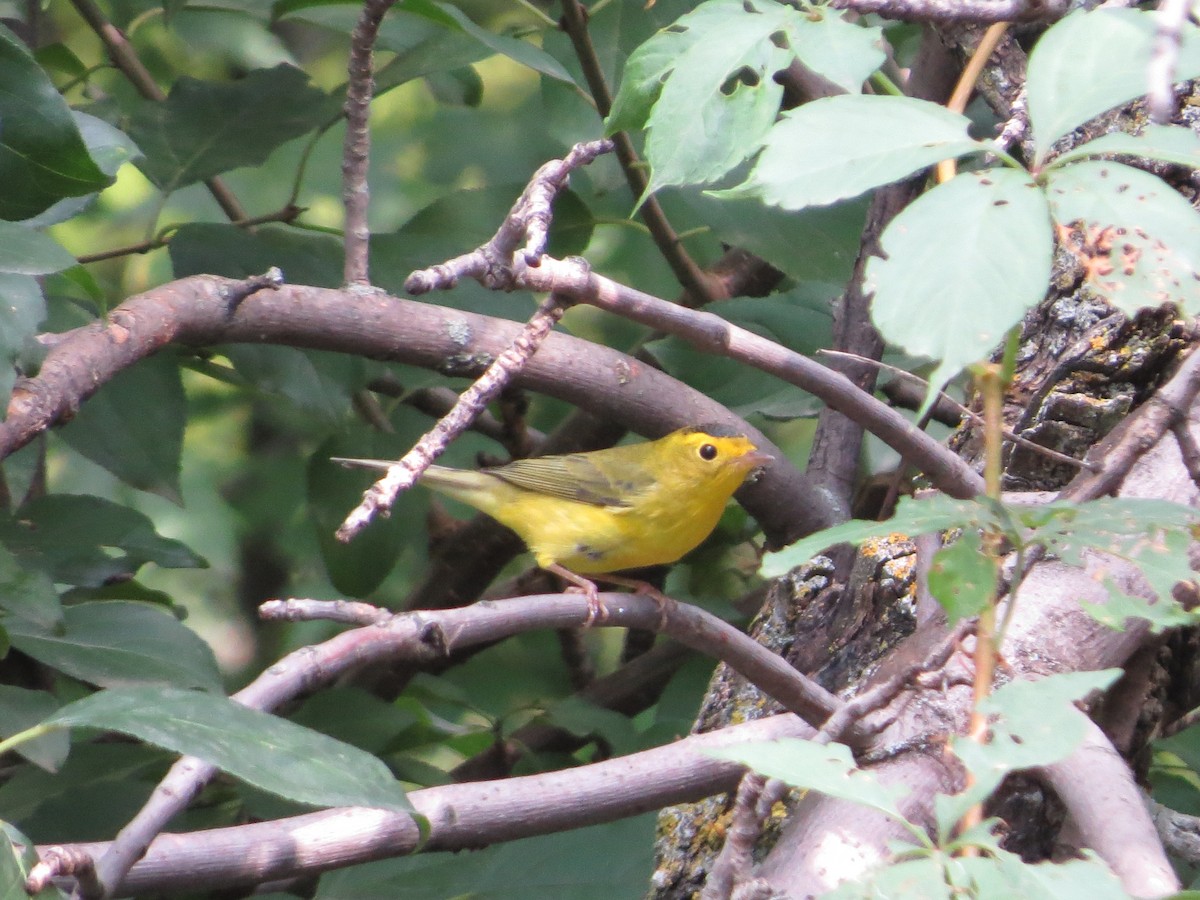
{"type": "Point", "coordinates": [360, 88]}
{"type": "Point", "coordinates": [756, 794]}
{"type": "Point", "coordinates": [404, 474]}
{"type": "Point", "coordinates": [1189, 449]}
{"type": "Point", "coordinates": [1014, 130]}
{"type": "Point", "coordinates": [964, 411]}
{"type": "Point", "coordinates": [494, 264]}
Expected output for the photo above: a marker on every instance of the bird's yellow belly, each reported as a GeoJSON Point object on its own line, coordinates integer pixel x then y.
{"type": "Point", "coordinates": [591, 540]}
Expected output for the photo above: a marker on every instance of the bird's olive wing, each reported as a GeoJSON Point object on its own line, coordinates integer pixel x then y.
{"type": "Point", "coordinates": [575, 477]}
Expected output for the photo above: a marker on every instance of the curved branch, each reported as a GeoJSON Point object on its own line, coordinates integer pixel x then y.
{"type": "Point", "coordinates": [205, 310]}
{"type": "Point", "coordinates": [1110, 816]}
{"type": "Point", "coordinates": [461, 816]}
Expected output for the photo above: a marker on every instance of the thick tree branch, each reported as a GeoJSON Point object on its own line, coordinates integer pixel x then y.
{"type": "Point", "coordinates": [427, 637]}
{"type": "Point", "coordinates": [1109, 813]}
{"type": "Point", "coordinates": [461, 817]}
{"type": "Point", "coordinates": [204, 311]}
{"type": "Point", "coordinates": [974, 12]}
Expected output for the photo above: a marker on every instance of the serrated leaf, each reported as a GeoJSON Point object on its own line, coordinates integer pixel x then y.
{"type": "Point", "coordinates": [94, 645]}
{"type": "Point", "coordinates": [912, 517]}
{"type": "Point", "coordinates": [42, 155]}
{"type": "Point", "coordinates": [1036, 724]}
{"type": "Point", "coordinates": [838, 147]}
{"type": "Point", "coordinates": [1092, 61]}
{"type": "Point", "coordinates": [26, 594]}
{"type": "Point", "coordinates": [962, 578]}
{"type": "Point", "coordinates": [263, 750]}
{"type": "Point", "coordinates": [963, 265]}
{"type": "Point", "coordinates": [1168, 143]}
{"type": "Point", "coordinates": [24, 251]}
{"type": "Point", "coordinates": [828, 768]}
{"type": "Point", "coordinates": [21, 709]}
{"type": "Point", "coordinates": [89, 541]}
{"type": "Point", "coordinates": [1142, 239]}
{"type": "Point", "coordinates": [203, 128]}
{"type": "Point", "coordinates": [22, 309]}
{"type": "Point", "coordinates": [139, 441]}
{"type": "Point", "coordinates": [706, 85]}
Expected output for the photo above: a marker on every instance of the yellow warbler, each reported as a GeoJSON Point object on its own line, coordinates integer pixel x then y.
{"type": "Point", "coordinates": [622, 508]}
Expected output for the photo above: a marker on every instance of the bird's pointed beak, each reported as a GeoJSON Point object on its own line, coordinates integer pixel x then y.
{"type": "Point", "coordinates": [755, 461]}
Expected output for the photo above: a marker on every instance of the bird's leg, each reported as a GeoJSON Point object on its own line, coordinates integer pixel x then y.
{"type": "Point", "coordinates": [596, 612]}
{"type": "Point", "coordinates": [661, 600]}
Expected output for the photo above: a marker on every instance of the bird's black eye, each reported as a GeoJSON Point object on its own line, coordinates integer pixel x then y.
{"type": "Point", "coordinates": [708, 451]}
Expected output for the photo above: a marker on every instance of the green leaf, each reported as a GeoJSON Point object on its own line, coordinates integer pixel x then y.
{"type": "Point", "coordinates": [1168, 143]}
{"type": "Point", "coordinates": [1004, 875]}
{"type": "Point", "coordinates": [800, 320]}
{"type": "Point", "coordinates": [706, 88]}
{"type": "Point", "coordinates": [89, 541]}
{"type": "Point", "coordinates": [1036, 724]}
{"type": "Point", "coordinates": [133, 426]}
{"type": "Point", "coordinates": [1092, 61]}
{"type": "Point", "coordinates": [814, 244]}
{"type": "Point", "coordinates": [24, 251]}
{"type": "Point", "coordinates": [27, 595]}
{"type": "Point", "coordinates": [21, 709]}
{"type": "Point", "coordinates": [42, 155]}
{"type": "Point", "coordinates": [1152, 534]}
{"type": "Point", "coordinates": [597, 863]}
{"type": "Point", "coordinates": [838, 147]}
{"type": "Point", "coordinates": [962, 577]}
{"type": "Point", "coordinates": [320, 384]}
{"type": "Point", "coordinates": [263, 750]}
{"type": "Point", "coordinates": [203, 129]}
{"type": "Point", "coordinates": [305, 258]}
{"type": "Point", "coordinates": [912, 879]}
{"type": "Point", "coordinates": [1142, 237]}
{"type": "Point", "coordinates": [357, 568]}
{"type": "Point", "coordinates": [963, 264]}
{"type": "Point", "coordinates": [844, 53]}
{"type": "Point", "coordinates": [22, 309]}
{"type": "Point", "coordinates": [114, 643]}
{"type": "Point", "coordinates": [519, 51]}
{"type": "Point", "coordinates": [912, 517]}
{"type": "Point", "coordinates": [829, 769]}
{"type": "Point", "coordinates": [110, 147]}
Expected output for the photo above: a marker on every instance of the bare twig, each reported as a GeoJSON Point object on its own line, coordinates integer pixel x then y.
{"type": "Point", "coordinates": [948, 168]}
{"type": "Point", "coordinates": [1016, 127]}
{"type": "Point", "coordinates": [360, 88]}
{"type": "Point", "coordinates": [964, 411]}
{"type": "Point", "coordinates": [64, 862]}
{"type": "Point", "coordinates": [1164, 58]}
{"type": "Point", "coordinates": [348, 612]}
{"type": "Point", "coordinates": [1189, 449]}
{"type": "Point", "coordinates": [382, 494]}
{"type": "Point", "coordinates": [527, 223]}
